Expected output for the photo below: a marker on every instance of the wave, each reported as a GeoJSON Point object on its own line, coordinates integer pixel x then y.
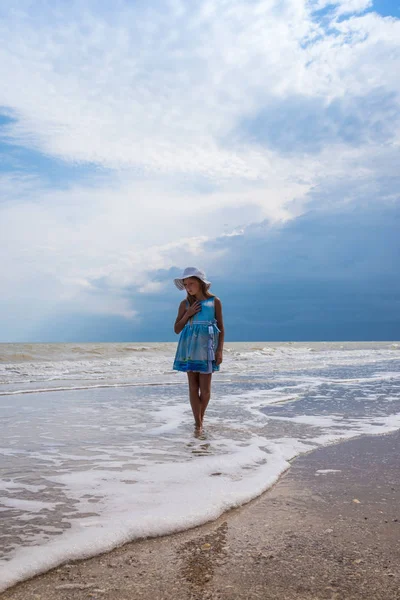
{"type": "Point", "coordinates": [73, 388]}
{"type": "Point", "coordinates": [136, 349]}
{"type": "Point", "coordinates": [126, 363]}
{"type": "Point", "coordinates": [86, 351]}
{"type": "Point", "coordinates": [103, 533]}
{"type": "Point", "coordinates": [17, 357]}
{"type": "Point", "coordinates": [133, 454]}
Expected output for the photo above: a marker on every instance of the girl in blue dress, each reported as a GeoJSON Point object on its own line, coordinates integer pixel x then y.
{"type": "Point", "coordinates": [201, 342]}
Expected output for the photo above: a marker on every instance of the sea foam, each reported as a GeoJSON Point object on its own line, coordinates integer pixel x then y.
{"type": "Point", "coordinates": [89, 469]}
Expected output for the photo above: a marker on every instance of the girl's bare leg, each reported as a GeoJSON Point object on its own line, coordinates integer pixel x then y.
{"type": "Point", "coordinates": [194, 395]}
{"type": "Point", "coordinates": [205, 391]}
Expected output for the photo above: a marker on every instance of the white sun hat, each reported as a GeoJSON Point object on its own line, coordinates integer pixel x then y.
{"type": "Point", "coordinates": [191, 272]}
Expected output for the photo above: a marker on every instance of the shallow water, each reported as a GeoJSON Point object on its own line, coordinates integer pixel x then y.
{"type": "Point", "coordinates": [85, 468]}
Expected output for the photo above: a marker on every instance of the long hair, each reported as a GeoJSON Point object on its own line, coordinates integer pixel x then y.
{"type": "Point", "coordinates": [204, 291]}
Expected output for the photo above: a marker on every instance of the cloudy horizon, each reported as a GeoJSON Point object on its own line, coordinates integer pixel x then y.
{"type": "Point", "coordinates": [258, 140]}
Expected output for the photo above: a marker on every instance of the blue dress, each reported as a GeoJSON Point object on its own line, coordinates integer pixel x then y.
{"type": "Point", "coordinates": [198, 341]}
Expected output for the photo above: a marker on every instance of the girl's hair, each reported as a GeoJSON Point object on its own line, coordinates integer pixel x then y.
{"type": "Point", "coordinates": [204, 291]}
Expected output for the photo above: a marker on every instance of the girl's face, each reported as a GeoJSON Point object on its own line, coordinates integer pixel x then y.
{"type": "Point", "coordinates": [192, 285]}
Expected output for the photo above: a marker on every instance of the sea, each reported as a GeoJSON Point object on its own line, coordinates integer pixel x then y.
{"type": "Point", "coordinates": [98, 448]}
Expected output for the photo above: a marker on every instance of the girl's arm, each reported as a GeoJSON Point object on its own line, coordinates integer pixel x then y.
{"type": "Point", "coordinates": [184, 314]}
{"type": "Point", "coordinates": [220, 324]}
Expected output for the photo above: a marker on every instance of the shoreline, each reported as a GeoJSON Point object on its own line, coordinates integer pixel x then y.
{"type": "Point", "coordinates": [328, 528]}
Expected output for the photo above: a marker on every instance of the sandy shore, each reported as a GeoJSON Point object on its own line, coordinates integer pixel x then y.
{"type": "Point", "coordinates": [332, 535]}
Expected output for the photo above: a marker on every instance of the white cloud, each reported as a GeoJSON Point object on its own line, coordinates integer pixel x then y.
{"type": "Point", "coordinates": [159, 89]}
{"type": "Point", "coordinates": [157, 94]}
{"type": "Point", "coordinates": [151, 287]}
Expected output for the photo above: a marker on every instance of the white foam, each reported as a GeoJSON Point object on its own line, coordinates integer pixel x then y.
{"type": "Point", "coordinates": [350, 427]}
{"type": "Point", "coordinates": [326, 471]}
{"type": "Point", "coordinates": [6, 485]}
{"type": "Point", "coordinates": [89, 366]}
{"type": "Point", "coordinates": [132, 504]}
{"type": "Point", "coordinates": [139, 510]}
{"type": "Point", "coordinates": [123, 465]}
{"type": "Point", "coordinates": [267, 396]}
{"type": "Point", "coordinates": [26, 505]}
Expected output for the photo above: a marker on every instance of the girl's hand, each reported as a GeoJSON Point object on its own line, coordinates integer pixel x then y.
{"type": "Point", "coordinates": [218, 357]}
{"type": "Point", "coordinates": [195, 308]}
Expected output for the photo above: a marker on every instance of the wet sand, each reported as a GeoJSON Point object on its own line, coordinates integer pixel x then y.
{"type": "Point", "coordinates": [313, 536]}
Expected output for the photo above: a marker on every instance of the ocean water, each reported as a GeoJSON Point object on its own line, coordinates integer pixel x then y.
{"type": "Point", "coordinates": [97, 444]}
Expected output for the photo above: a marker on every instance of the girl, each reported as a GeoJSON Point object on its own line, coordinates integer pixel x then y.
{"type": "Point", "coordinates": [201, 342]}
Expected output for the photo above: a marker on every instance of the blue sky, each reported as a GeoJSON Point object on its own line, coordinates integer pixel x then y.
{"type": "Point", "coordinates": [257, 140]}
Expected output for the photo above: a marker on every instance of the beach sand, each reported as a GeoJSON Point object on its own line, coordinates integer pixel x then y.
{"type": "Point", "coordinates": [332, 535]}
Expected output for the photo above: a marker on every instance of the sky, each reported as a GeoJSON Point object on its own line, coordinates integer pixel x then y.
{"type": "Point", "coordinates": [255, 139]}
